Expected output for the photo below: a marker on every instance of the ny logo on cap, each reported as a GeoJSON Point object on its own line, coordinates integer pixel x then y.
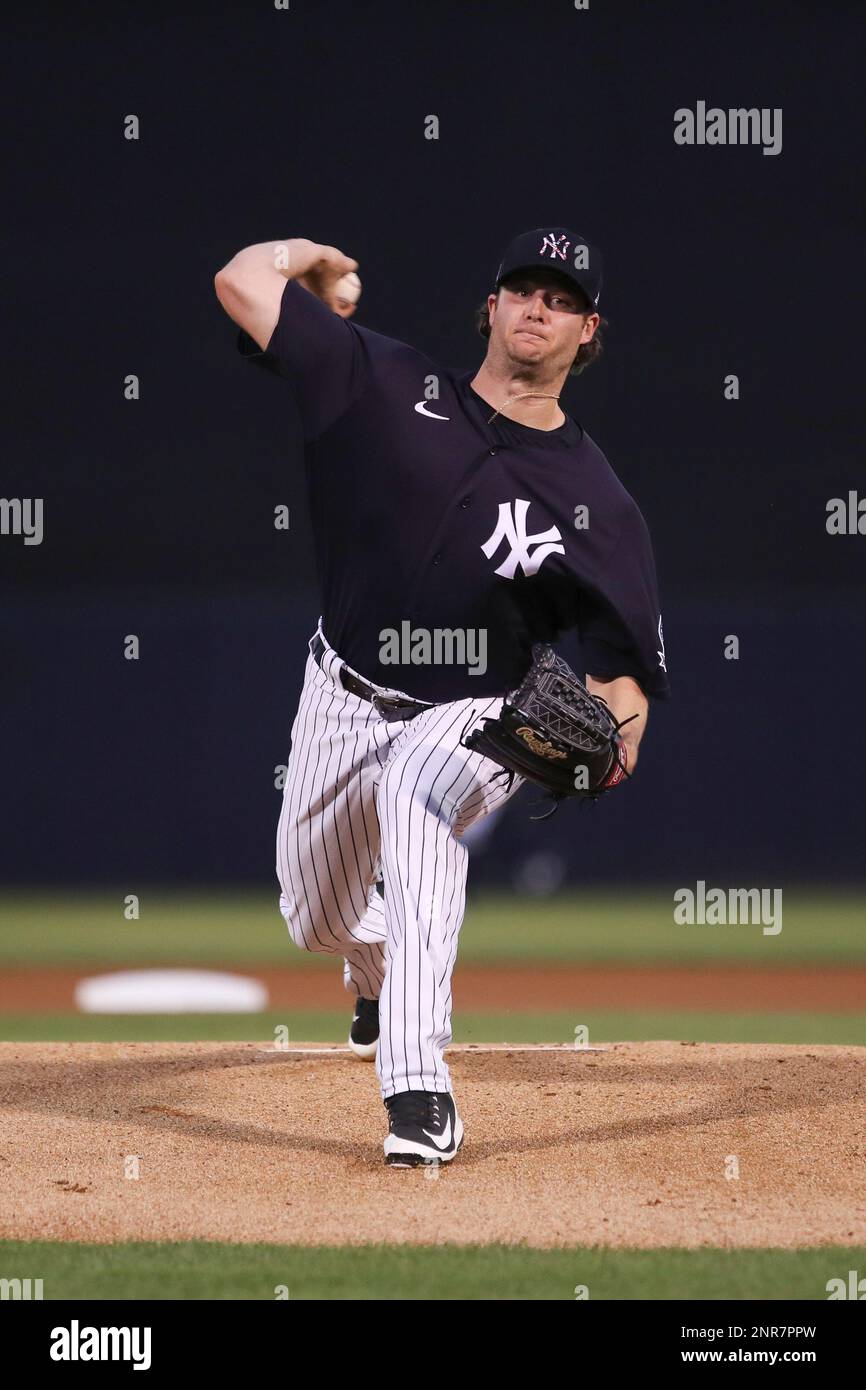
{"type": "Point", "coordinates": [552, 243]}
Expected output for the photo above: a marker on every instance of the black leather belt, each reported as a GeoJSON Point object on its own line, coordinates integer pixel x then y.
{"type": "Point", "coordinates": [389, 706]}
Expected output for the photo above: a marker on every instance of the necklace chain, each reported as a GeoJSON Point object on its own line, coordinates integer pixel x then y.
{"type": "Point", "coordinates": [508, 401]}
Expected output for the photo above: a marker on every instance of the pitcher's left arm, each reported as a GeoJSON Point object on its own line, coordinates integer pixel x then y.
{"type": "Point", "coordinates": [624, 698]}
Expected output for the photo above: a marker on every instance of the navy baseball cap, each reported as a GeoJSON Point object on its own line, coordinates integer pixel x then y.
{"type": "Point", "coordinates": [559, 249]}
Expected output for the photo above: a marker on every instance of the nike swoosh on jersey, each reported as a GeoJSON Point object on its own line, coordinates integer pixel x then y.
{"type": "Point", "coordinates": [421, 407]}
{"type": "Point", "coordinates": [443, 1142]}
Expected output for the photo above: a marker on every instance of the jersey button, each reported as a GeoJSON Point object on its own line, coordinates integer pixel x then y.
{"type": "Point", "coordinates": [437, 558]}
{"type": "Point", "coordinates": [493, 451]}
{"type": "Point", "coordinates": [465, 502]}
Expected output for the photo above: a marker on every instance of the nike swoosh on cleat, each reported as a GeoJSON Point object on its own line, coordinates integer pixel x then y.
{"type": "Point", "coordinates": [421, 407]}
{"type": "Point", "coordinates": [443, 1141]}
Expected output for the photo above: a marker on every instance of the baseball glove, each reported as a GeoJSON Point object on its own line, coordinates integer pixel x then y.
{"type": "Point", "coordinates": [553, 732]}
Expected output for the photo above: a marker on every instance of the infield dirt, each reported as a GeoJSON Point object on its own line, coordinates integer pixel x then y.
{"type": "Point", "coordinates": [635, 1145]}
{"type": "Point", "coordinates": [731, 988]}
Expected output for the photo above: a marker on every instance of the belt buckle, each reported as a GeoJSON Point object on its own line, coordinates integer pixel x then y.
{"type": "Point", "coordinates": [389, 707]}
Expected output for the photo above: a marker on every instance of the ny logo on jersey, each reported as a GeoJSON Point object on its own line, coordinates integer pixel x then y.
{"type": "Point", "coordinates": [511, 527]}
{"type": "Point", "coordinates": [552, 243]}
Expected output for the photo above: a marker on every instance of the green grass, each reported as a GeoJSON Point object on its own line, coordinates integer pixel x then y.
{"type": "Point", "coordinates": [247, 929]}
{"type": "Point", "coordinates": [327, 1026]}
{"type": "Point", "coordinates": [200, 1270]}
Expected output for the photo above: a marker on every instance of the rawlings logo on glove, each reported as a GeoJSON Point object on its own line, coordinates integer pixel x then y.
{"type": "Point", "coordinates": [544, 750]}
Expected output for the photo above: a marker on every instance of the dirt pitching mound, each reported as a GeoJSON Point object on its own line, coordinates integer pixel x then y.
{"type": "Point", "coordinates": [629, 1146]}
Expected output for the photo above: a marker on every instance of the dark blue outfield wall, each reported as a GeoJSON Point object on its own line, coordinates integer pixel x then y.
{"type": "Point", "coordinates": [162, 770]}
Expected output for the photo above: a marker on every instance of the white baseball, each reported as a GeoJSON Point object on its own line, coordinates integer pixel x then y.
{"type": "Point", "coordinates": [348, 288]}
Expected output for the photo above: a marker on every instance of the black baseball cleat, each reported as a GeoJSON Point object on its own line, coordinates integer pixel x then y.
{"type": "Point", "coordinates": [364, 1035]}
{"type": "Point", "coordinates": [424, 1127]}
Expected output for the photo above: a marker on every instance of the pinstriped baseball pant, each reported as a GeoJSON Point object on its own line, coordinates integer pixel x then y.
{"type": "Point", "coordinates": [367, 797]}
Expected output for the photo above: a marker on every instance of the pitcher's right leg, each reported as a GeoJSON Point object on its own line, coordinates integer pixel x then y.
{"type": "Point", "coordinates": [328, 831]}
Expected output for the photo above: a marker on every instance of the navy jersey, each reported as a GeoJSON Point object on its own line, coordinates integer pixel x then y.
{"type": "Point", "coordinates": [446, 545]}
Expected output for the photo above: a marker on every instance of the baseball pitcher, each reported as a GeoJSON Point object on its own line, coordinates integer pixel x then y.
{"type": "Point", "coordinates": [462, 521]}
